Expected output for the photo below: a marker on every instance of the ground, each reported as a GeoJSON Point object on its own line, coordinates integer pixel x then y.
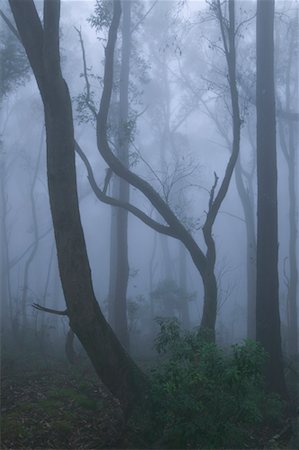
{"type": "Point", "coordinates": [47, 403]}
{"type": "Point", "coordinates": [57, 406]}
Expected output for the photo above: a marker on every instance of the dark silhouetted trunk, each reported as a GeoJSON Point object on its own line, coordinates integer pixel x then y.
{"type": "Point", "coordinates": [108, 357]}
{"type": "Point", "coordinates": [267, 295]}
{"type": "Point", "coordinates": [183, 286]}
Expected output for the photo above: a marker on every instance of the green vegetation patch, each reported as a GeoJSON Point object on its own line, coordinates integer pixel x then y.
{"type": "Point", "coordinates": [203, 397]}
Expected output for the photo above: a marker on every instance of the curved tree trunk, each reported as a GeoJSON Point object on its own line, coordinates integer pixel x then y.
{"type": "Point", "coordinates": [111, 362]}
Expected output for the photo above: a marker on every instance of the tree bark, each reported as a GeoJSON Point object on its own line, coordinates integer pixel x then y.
{"type": "Point", "coordinates": [122, 269]}
{"type": "Point", "coordinates": [288, 132]}
{"type": "Point", "coordinates": [246, 198]}
{"type": "Point", "coordinates": [267, 290]}
{"type": "Point", "coordinates": [183, 286]}
{"type": "Point", "coordinates": [111, 362]}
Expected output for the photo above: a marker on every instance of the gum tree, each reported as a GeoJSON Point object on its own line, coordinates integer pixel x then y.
{"type": "Point", "coordinates": [108, 357]}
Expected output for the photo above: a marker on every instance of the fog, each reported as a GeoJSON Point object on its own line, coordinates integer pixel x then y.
{"type": "Point", "coordinates": [179, 134]}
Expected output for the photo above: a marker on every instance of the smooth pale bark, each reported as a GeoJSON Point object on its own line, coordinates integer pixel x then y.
{"type": "Point", "coordinates": [108, 357]}
{"type": "Point", "coordinates": [267, 288]}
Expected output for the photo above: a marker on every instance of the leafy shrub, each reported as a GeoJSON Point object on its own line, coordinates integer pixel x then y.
{"type": "Point", "coordinates": [204, 397]}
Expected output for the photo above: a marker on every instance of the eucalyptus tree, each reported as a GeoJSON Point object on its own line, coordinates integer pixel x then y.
{"type": "Point", "coordinates": [204, 260]}
{"type": "Point", "coordinates": [267, 290]}
{"type": "Point", "coordinates": [131, 67]}
{"type": "Point", "coordinates": [287, 95]}
{"type": "Point", "coordinates": [41, 42]}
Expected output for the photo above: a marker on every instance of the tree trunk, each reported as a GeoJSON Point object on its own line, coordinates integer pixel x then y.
{"type": "Point", "coordinates": [34, 248]}
{"type": "Point", "coordinates": [183, 286]}
{"type": "Point", "coordinates": [119, 275]}
{"type": "Point", "coordinates": [111, 362]}
{"type": "Point", "coordinates": [267, 290]}
{"type": "Point", "coordinates": [5, 293]}
{"type": "Point", "coordinates": [247, 205]}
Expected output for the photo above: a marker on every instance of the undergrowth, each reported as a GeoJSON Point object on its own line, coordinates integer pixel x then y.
{"type": "Point", "coordinates": [205, 397]}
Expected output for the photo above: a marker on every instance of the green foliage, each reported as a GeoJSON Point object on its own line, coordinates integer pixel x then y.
{"type": "Point", "coordinates": [203, 397]}
{"type": "Point", "coordinates": [14, 67]}
{"type": "Point", "coordinates": [169, 298]}
{"type": "Point", "coordinates": [102, 16]}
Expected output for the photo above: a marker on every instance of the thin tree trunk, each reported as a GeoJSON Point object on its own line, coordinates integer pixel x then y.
{"type": "Point", "coordinates": [5, 289]}
{"type": "Point", "coordinates": [247, 205]}
{"type": "Point", "coordinates": [183, 286]}
{"type": "Point", "coordinates": [34, 248]}
{"type": "Point", "coordinates": [119, 221]}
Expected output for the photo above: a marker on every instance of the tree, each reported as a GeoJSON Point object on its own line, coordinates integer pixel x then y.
{"type": "Point", "coordinates": [119, 275]}
{"type": "Point", "coordinates": [267, 290]}
{"type": "Point", "coordinates": [287, 80]}
{"type": "Point", "coordinates": [111, 362]}
{"type": "Point", "coordinates": [13, 72]}
{"type": "Point", "coordinates": [204, 261]}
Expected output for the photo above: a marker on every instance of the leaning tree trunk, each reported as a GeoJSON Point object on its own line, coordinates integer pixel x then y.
{"type": "Point", "coordinates": [108, 357]}
{"type": "Point", "coordinates": [267, 300]}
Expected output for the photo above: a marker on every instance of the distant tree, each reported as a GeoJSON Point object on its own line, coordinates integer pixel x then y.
{"type": "Point", "coordinates": [120, 276]}
{"type": "Point", "coordinates": [267, 291]}
{"type": "Point", "coordinates": [14, 67]}
{"type": "Point", "coordinates": [14, 70]}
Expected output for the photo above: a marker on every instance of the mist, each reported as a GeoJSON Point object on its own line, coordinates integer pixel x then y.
{"type": "Point", "coordinates": [149, 220]}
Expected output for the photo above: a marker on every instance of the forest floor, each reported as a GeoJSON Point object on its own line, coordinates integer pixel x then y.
{"type": "Point", "coordinates": [50, 404]}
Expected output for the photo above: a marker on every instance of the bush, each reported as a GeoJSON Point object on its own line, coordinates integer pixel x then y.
{"type": "Point", "coordinates": [203, 397]}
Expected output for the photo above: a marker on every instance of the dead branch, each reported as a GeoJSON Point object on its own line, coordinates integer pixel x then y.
{"type": "Point", "coordinates": [49, 310]}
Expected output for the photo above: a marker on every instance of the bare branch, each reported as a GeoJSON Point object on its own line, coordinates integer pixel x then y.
{"type": "Point", "coordinates": [101, 195]}
{"type": "Point", "coordinates": [240, 25]}
{"type": "Point", "coordinates": [10, 25]}
{"type": "Point", "coordinates": [49, 310]}
{"type": "Point", "coordinates": [212, 193]}
{"type": "Point", "coordinates": [143, 17]}
{"type": "Point", "coordinates": [16, 260]}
